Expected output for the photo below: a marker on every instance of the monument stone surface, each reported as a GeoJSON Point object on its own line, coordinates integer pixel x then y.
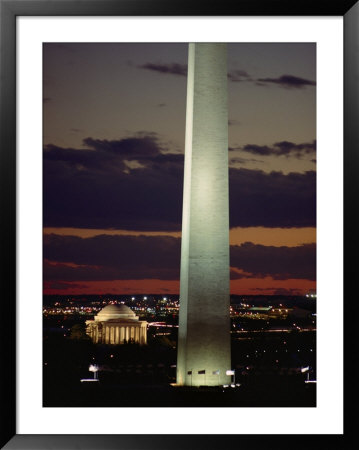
{"type": "Point", "coordinates": [204, 321]}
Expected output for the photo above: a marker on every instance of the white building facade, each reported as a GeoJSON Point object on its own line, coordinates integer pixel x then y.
{"type": "Point", "coordinates": [117, 324]}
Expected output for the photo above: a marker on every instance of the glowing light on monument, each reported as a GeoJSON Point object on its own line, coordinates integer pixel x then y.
{"type": "Point", "coordinates": [204, 321]}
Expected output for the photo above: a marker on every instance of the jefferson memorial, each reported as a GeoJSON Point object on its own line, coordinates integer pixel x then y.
{"type": "Point", "coordinates": [117, 324]}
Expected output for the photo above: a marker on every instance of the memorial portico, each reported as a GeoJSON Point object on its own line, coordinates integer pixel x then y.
{"type": "Point", "coordinates": [117, 324]}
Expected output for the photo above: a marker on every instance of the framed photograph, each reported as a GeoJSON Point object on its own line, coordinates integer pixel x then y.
{"type": "Point", "coordinates": [97, 351]}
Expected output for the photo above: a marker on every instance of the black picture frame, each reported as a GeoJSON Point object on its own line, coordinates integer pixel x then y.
{"type": "Point", "coordinates": [9, 10]}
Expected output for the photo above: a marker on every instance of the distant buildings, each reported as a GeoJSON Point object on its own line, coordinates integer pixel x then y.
{"type": "Point", "coordinates": [117, 324]}
{"type": "Point", "coordinates": [270, 313]}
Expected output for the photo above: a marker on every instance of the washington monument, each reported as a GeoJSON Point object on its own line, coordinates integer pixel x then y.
{"type": "Point", "coordinates": [204, 323]}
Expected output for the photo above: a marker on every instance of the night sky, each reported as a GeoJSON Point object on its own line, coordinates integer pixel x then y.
{"type": "Point", "coordinates": [114, 129]}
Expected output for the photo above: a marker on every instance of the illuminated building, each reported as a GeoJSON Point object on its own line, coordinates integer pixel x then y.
{"type": "Point", "coordinates": [117, 324]}
{"type": "Point", "coordinates": [279, 313]}
{"type": "Point", "coordinates": [204, 322]}
{"type": "Point", "coordinates": [269, 312]}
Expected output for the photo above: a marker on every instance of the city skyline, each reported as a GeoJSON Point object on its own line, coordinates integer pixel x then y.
{"type": "Point", "coordinates": [114, 119]}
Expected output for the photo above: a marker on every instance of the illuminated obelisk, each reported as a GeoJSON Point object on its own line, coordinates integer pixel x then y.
{"type": "Point", "coordinates": [204, 322]}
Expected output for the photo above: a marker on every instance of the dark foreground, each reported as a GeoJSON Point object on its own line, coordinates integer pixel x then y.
{"type": "Point", "coordinates": [255, 392]}
{"type": "Point", "coordinates": [267, 365]}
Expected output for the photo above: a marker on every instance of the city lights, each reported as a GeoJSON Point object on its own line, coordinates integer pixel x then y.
{"type": "Point", "coordinates": [262, 345]}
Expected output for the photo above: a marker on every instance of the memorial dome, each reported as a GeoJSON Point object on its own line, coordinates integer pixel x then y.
{"type": "Point", "coordinates": [115, 312]}
{"type": "Point", "coordinates": [115, 325]}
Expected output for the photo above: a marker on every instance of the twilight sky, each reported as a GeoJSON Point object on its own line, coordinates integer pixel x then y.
{"type": "Point", "coordinates": [114, 129]}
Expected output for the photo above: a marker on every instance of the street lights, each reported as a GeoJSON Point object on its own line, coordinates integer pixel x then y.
{"type": "Point", "coordinates": [94, 368]}
{"type": "Point", "coordinates": [232, 373]}
{"type": "Point", "coordinates": [307, 370]}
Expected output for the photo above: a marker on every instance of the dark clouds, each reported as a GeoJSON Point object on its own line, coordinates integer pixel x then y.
{"type": "Point", "coordinates": [128, 184]}
{"type": "Point", "coordinates": [285, 81]}
{"type": "Point", "coordinates": [236, 76]}
{"type": "Point", "coordinates": [239, 75]}
{"type": "Point", "coordinates": [239, 160]}
{"type": "Point", "coordinates": [257, 198]}
{"type": "Point", "coordinates": [134, 184]}
{"type": "Point", "coordinates": [173, 69]}
{"type": "Point", "coordinates": [145, 145]}
{"type": "Point", "coordinates": [278, 262]}
{"type": "Point", "coordinates": [62, 285]}
{"type": "Point", "coordinates": [284, 291]}
{"type": "Point", "coordinates": [283, 148]}
{"type": "Point", "coordinates": [288, 81]}
{"type": "Point", "coordinates": [109, 257]}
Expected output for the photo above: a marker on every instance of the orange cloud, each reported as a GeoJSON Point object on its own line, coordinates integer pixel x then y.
{"type": "Point", "coordinates": [276, 237]}
{"type": "Point", "coordinates": [243, 286]}
{"type": "Point", "coordinates": [269, 286]}
{"type": "Point", "coordinates": [119, 287]}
